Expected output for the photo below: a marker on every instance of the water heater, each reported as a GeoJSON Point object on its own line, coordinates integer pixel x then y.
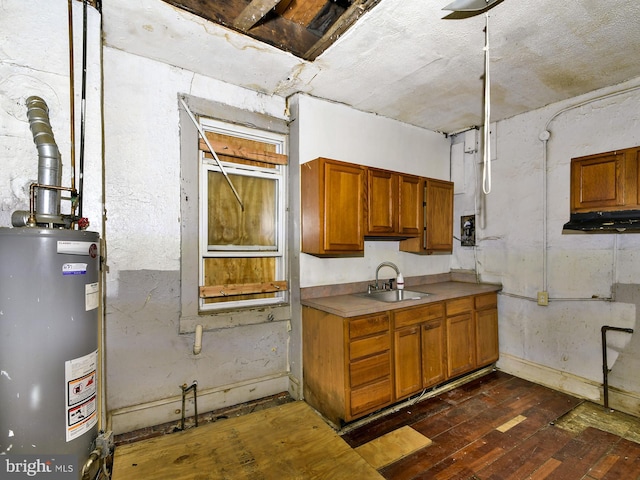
{"type": "Point", "coordinates": [49, 318]}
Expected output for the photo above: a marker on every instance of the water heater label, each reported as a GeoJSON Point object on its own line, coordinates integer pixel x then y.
{"type": "Point", "coordinates": [74, 269]}
{"type": "Point", "coordinates": [81, 394]}
{"type": "Point", "coordinates": [78, 248]}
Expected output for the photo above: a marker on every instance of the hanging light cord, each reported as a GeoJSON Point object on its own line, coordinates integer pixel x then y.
{"type": "Point", "coordinates": [486, 171]}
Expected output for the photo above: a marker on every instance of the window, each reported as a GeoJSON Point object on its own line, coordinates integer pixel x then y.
{"type": "Point", "coordinates": [242, 257]}
{"type": "Point", "coordinates": [222, 245]}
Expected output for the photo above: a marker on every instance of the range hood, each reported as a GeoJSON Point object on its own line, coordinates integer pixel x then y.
{"type": "Point", "coordinates": [624, 221]}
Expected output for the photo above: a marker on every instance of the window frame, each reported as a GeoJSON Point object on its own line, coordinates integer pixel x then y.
{"type": "Point", "coordinates": [190, 314]}
{"type": "Point", "coordinates": [277, 173]}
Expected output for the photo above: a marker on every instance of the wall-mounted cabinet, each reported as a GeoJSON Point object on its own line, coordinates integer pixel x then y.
{"type": "Point", "coordinates": [332, 202]}
{"type": "Point", "coordinates": [606, 181]}
{"type": "Point", "coordinates": [394, 204]}
{"type": "Point", "coordinates": [342, 203]}
{"type": "Point", "coordinates": [436, 225]}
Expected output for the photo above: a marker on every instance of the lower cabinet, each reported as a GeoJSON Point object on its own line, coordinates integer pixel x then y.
{"type": "Point", "coordinates": [461, 355]}
{"type": "Point", "coordinates": [486, 325]}
{"type": "Point", "coordinates": [418, 348]}
{"type": "Point", "coordinates": [347, 364]}
{"type": "Point", "coordinates": [355, 366]}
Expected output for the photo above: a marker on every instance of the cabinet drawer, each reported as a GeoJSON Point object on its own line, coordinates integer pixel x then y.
{"type": "Point", "coordinates": [490, 300]}
{"type": "Point", "coordinates": [459, 305]}
{"type": "Point", "coordinates": [416, 315]}
{"type": "Point", "coordinates": [371, 397]}
{"type": "Point", "coordinates": [369, 369]}
{"type": "Point", "coordinates": [369, 346]}
{"type": "Point", "coordinates": [361, 327]}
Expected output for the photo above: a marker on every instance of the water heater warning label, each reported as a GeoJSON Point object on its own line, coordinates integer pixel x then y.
{"type": "Point", "coordinates": [81, 393]}
{"type": "Point", "coordinates": [91, 296]}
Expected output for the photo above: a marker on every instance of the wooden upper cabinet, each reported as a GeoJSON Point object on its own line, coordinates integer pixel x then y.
{"type": "Point", "coordinates": [333, 194]}
{"type": "Point", "coordinates": [436, 223]}
{"type": "Point", "coordinates": [410, 205]}
{"type": "Point", "coordinates": [606, 181]}
{"type": "Point", "coordinates": [382, 202]}
{"type": "Point", "coordinates": [342, 203]}
{"type": "Point", "coordinates": [393, 203]}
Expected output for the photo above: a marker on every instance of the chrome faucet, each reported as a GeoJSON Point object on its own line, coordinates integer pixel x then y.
{"type": "Point", "coordinates": [385, 264]}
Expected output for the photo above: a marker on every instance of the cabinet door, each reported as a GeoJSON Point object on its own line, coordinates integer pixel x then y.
{"type": "Point", "coordinates": [332, 196]}
{"type": "Point", "coordinates": [344, 213]}
{"type": "Point", "coordinates": [407, 363]}
{"type": "Point", "coordinates": [439, 216]}
{"type": "Point", "coordinates": [434, 369]}
{"type": "Point", "coordinates": [597, 181]}
{"type": "Point", "coordinates": [460, 344]}
{"type": "Point", "coordinates": [409, 205]}
{"type": "Point", "coordinates": [382, 202]}
{"type": "Point", "coordinates": [487, 350]}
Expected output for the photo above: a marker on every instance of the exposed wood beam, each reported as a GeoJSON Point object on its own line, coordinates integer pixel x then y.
{"type": "Point", "coordinates": [302, 11]}
{"type": "Point", "coordinates": [357, 9]}
{"type": "Point", "coordinates": [253, 13]}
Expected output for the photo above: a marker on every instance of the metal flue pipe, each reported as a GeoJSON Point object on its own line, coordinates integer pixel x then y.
{"type": "Point", "coordinates": [49, 162]}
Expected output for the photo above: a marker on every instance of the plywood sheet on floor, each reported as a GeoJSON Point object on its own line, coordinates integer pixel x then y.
{"type": "Point", "coordinates": [290, 441]}
{"type": "Point", "coordinates": [393, 446]}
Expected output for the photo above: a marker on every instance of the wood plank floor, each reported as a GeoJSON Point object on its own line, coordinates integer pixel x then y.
{"type": "Point", "coordinates": [500, 427]}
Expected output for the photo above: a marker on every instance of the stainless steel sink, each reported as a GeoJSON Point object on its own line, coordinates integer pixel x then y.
{"type": "Point", "coordinates": [392, 296]}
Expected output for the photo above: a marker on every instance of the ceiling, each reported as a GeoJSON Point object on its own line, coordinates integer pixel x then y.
{"type": "Point", "coordinates": [397, 58]}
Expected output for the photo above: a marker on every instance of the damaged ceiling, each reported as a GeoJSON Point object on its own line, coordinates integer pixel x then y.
{"type": "Point", "coordinates": [305, 28]}
{"type": "Point", "coordinates": [397, 58]}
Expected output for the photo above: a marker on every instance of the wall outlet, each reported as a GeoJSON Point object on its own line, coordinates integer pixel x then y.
{"type": "Point", "coordinates": [543, 298]}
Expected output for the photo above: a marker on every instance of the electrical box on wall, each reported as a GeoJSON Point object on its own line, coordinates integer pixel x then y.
{"type": "Point", "coordinates": [471, 141]}
{"type": "Point", "coordinates": [468, 230]}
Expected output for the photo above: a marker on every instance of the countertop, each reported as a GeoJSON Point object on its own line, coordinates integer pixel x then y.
{"type": "Point", "coordinates": [353, 305]}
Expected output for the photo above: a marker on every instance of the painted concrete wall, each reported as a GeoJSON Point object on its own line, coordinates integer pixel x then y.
{"type": "Point", "coordinates": [147, 359]}
{"type": "Point", "coordinates": [559, 344]}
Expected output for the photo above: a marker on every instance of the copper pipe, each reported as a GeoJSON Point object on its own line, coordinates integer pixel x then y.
{"type": "Point", "coordinates": [72, 106]}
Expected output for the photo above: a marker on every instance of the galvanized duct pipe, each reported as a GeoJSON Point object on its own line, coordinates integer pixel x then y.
{"type": "Point", "coordinates": [48, 187]}
{"type": "Point", "coordinates": [49, 162]}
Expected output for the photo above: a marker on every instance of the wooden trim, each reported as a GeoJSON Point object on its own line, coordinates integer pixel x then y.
{"type": "Point", "coordinates": [213, 291]}
{"type": "Point", "coordinates": [222, 148]}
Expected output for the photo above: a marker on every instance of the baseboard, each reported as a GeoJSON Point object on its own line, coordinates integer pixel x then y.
{"type": "Point", "coordinates": [550, 377]}
{"type": "Point", "coordinates": [628, 402]}
{"type": "Point", "coordinates": [149, 414]}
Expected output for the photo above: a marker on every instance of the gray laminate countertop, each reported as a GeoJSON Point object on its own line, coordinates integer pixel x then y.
{"type": "Point", "coordinates": [354, 305]}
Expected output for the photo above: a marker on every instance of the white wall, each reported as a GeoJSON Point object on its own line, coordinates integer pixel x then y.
{"type": "Point", "coordinates": [559, 344]}
{"type": "Point", "coordinates": [34, 60]}
{"type": "Point", "coordinates": [335, 131]}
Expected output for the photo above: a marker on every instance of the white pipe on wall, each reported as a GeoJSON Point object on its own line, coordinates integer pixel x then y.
{"type": "Point", "coordinates": [197, 342]}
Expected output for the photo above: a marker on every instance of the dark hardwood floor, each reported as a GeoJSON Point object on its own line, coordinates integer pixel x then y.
{"type": "Point", "coordinates": [500, 427]}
